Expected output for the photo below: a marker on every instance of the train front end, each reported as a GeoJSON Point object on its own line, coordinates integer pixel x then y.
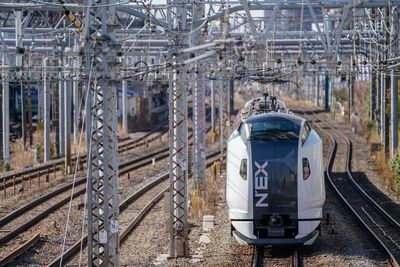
{"type": "Point", "coordinates": [275, 188]}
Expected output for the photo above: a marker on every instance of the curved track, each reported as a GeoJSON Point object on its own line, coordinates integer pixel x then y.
{"type": "Point", "coordinates": [376, 221]}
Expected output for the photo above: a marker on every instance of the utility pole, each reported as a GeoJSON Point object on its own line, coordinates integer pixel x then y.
{"type": "Point", "coordinates": [67, 118]}
{"type": "Point", "coordinates": [394, 113]}
{"type": "Point", "coordinates": [199, 107]}
{"type": "Point", "coordinates": [178, 164]}
{"type": "Point", "coordinates": [75, 88]}
{"type": "Point", "coordinates": [6, 111]}
{"type": "Point", "coordinates": [18, 65]}
{"type": "Point", "coordinates": [30, 128]}
{"type": "Point", "coordinates": [103, 207]}
{"type": "Point", "coordinates": [125, 102]}
{"type": "Point", "coordinates": [327, 91]}
{"type": "Point", "coordinates": [225, 120]}
{"type": "Point", "coordinates": [213, 109]}
{"type": "Point", "coordinates": [61, 104]}
{"type": "Point", "coordinates": [383, 106]}
{"type": "Point", "coordinates": [46, 111]}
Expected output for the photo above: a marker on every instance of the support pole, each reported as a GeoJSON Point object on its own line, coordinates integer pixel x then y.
{"type": "Point", "coordinates": [199, 108]}
{"type": "Point", "coordinates": [125, 105]}
{"type": "Point", "coordinates": [67, 120]}
{"type": "Point", "coordinates": [5, 113]}
{"type": "Point", "coordinates": [222, 115]}
{"type": "Point", "coordinates": [46, 112]}
{"type": "Point", "coordinates": [213, 108]}
{"type": "Point", "coordinates": [231, 90]}
{"type": "Point", "coordinates": [327, 91]}
{"type": "Point", "coordinates": [383, 107]}
{"type": "Point", "coordinates": [76, 103]}
{"type": "Point", "coordinates": [372, 96]}
{"type": "Point", "coordinates": [61, 103]}
{"type": "Point", "coordinates": [103, 206]}
{"type": "Point", "coordinates": [18, 64]}
{"type": "Point", "coordinates": [394, 113]}
{"type": "Point", "coordinates": [318, 88]}
{"type": "Point", "coordinates": [30, 127]}
{"type": "Point", "coordinates": [178, 165]}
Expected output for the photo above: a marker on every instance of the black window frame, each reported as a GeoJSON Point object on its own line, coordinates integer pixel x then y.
{"type": "Point", "coordinates": [306, 132]}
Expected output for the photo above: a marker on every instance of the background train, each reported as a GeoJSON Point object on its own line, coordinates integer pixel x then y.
{"type": "Point", "coordinates": [275, 183]}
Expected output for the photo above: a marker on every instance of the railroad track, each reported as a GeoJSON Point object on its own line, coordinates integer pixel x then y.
{"type": "Point", "coordinates": [76, 247]}
{"type": "Point", "coordinates": [286, 256]}
{"type": "Point", "coordinates": [124, 168]}
{"type": "Point", "coordinates": [17, 177]}
{"type": "Point", "coordinates": [43, 206]}
{"type": "Point", "coordinates": [375, 220]}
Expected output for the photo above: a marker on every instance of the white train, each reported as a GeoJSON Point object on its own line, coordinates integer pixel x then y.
{"type": "Point", "coordinates": [275, 182]}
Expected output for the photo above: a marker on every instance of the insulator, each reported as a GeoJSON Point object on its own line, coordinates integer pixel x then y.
{"type": "Point", "coordinates": [73, 19]}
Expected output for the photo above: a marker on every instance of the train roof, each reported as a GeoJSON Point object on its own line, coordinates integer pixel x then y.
{"type": "Point", "coordinates": [265, 116]}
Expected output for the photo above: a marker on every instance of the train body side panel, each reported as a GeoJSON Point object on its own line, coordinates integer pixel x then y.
{"type": "Point", "coordinates": [238, 195]}
{"type": "Point", "coordinates": [311, 192]}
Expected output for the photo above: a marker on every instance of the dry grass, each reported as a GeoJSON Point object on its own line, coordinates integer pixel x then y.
{"type": "Point", "coordinates": [383, 168]}
{"type": "Point", "coordinates": [21, 158]}
{"type": "Point", "coordinates": [204, 203]}
{"type": "Point", "coordinates": [381, 162]}
{"type": "Point", "coordinates": [83, 147]}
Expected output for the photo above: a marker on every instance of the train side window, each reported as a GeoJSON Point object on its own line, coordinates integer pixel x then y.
{"type": "Point", "coordinates": [306, 132]}
{"type": "Point", "coordinates": [243, 169]}
{"type": "Point", "coordinates": [306, 169]}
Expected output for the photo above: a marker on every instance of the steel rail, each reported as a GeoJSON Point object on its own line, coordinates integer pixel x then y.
{"type": "Point", "coordinates": [57, 164]}
{"type": "Point", "coordinates": [328, 170]}
{"type": "Point", "coordinates": [259, 259]}
{"type": "Point", "coordinates": [75, 248]}
{"type": "Point", "coordinates": [125, 168]}
{"type": "Point", "coordinates": [20, 250]}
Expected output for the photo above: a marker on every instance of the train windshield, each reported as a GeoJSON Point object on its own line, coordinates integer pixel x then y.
{"type": "Point", "coordinates": [276, 129]}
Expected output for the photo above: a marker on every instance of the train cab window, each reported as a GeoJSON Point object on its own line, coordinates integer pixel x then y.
{"type": "Point", "coordinates": [277, 129]}
{"type": "Point", "coordinates": [306, 132]}
{"type": "Point", "coordinates": [242, 131]}
{"type": "Point", "coordinates": [243, 169]}
{"type": "Point", "coordinates": [306, 169]}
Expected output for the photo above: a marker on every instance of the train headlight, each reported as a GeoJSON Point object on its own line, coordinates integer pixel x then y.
{"type": "Point", "coordinates": [306, 169]}
{"type": "Point", "coordinates": [243, 169]}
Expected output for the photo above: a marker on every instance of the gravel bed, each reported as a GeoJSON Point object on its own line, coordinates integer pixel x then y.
{"type": "Point", "coordinates": [10, 202]}
{"type": "Point", "coordinates": [364, 172]}
{"type": "Point", "coordinates": [53, 226]}
{"type": "Point", "coordinates": [343, 242]}
{"type": "Point", "coordinates": [139, 246]}
{"type": "Point", "coordinates": [17, 241]}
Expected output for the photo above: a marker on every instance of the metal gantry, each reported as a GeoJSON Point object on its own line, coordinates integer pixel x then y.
{"type": "Point", "coordinates": [103, 205]}
{"type": "Point", "coordinates": [285, 43]}
{"type": "Point", "coordinates": [199, 105]}
{"type": "Point", "coordinates": [178, 164]}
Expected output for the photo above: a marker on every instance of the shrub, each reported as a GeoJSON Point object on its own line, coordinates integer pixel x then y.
{"type": "Point", "coordinates": [395, 167]}
{"type": "Point", "coordinates": [340, 95]}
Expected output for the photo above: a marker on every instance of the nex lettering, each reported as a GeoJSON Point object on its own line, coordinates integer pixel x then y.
{"type": "Point", "coordinates": [261, 184]}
